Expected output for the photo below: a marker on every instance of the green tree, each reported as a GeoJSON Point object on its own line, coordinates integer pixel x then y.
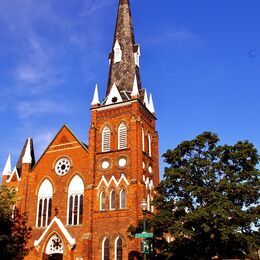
{"type": "Point", "coordinates": [14, 232]}
{"type": "Point", "coordinates": [209, 199]}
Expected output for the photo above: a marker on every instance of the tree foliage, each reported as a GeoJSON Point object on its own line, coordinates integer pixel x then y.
{"type": "Point", "coordinates": [209, 199]}
{"type": "Point", "coordinates": [14, 232]}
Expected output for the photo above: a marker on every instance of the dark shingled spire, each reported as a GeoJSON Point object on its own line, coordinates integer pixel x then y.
{"type": "Point", "coordinates": [19, 163]}
{"type": "Point", "coordinates": [122, 73]}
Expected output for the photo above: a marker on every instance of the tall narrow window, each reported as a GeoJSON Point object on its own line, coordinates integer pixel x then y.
{"type": "Point", "coordinates": [112, 200]}
{"type": "Point", "coordinates": [118, 249]}
{"type": "Point", "coordinates": [149, 145]}
{"type": "Point", "coordinates": [75, 201]}
{"type": "Point", "coordinates": [105, 249]}
{"type": "Point", "coordinates": [122, 199]}
{"type": "Point", "coordinates": [44, 206]}
{"type": "Point", "coordinates": [122, 136]}
{"type": "Point", "coordinates": [106, 139]}
{"type": "Point", "coordinates": [102, 198]}
{"type": "Point", "coordinates": [143, 140]}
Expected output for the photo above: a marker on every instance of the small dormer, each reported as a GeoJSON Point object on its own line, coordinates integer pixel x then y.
{"type": "Point", "coordinates": [117, 52]}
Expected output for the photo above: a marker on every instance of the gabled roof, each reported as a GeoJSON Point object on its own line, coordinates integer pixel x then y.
{"type": "Point", "coordinates": [15, 174]}
{"type": "Point", "coordinates": [66, 128]}
{"type": "Point", "coordinates": [70, 239]}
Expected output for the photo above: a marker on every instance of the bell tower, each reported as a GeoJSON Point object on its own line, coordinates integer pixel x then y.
{"type": "Point", "coordinates": [123, 146]}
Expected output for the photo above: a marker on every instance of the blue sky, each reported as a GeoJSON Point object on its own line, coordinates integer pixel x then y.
{"type": "Point", "coordinates": [200, 59]}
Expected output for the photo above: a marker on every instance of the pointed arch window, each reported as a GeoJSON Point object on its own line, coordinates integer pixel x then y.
{"type": "Point", "coordinates": [106, 133]}
{"type": "Point", "coordinates": [102, 198]}
{"type": "Point", "coordinates": [44, 205]}
{"type": "Point", "coordinates": [143, 140]}
{"type": "Point", "coordinates": [149, 144]}
{"type": "Point", "coordinates": [75, 201]}
{"type": "Point", "coordinates": [122, 136]}
{"type": "Point", "coordinates": [112, 199]}
{"type": "Point", "coordinates": [118, 249]}
{"type": "Point", "coordinates": [122, 199]}
{"type": "Point", "coordinates": [117, 52]}
{"type": "Point", "coordinates": [105, 249]}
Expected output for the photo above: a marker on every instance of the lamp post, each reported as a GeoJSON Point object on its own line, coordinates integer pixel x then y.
{"type": "Point", "coordinates": [144, 210]}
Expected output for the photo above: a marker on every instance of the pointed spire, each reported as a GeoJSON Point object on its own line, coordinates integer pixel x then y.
{"type": "Point", "coordinates": [146, 102]}
{"type": "Point", "coordinates": [123, 63]}
{"type": "Point", "coordinates": [95, 100]}
{"type": "Point", "coordinates": [135, 91]}
{"type": "Point", "coordinates": [151, 105]}
{"type": "Point", "coordinates": [8, 168]}
{"type": "Point", "coordinates": [27, 158]}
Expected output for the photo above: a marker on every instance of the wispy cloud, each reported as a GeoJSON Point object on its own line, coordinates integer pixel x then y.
{"type": "Point", "coordinates": [177, 37]}
{"type": "Point", "coordinates": [42, 140]}
{"type": "Point", "coordinates": [95, 5]}
{"type": "Point", "coordinates": [28, 109]}
{"type": "Point", "coordinates": [36, 71]}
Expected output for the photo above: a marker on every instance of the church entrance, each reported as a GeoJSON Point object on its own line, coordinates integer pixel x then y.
{"type": "Point", "coordinates": [54, 249]}
{"type": "Point", "coordinates": [53, 257]}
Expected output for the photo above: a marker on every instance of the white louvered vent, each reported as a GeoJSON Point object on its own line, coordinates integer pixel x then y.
{"type": "Point", "coordinates": [106, 139]}
{"type": "Point", "coordinates": [122, 136]}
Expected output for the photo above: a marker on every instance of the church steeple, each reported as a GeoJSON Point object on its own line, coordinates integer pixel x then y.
{"type": "Point", "coordinates": [124, 58]}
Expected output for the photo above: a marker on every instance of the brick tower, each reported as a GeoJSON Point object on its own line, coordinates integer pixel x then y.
{"type": "Point", "coordinates": [82, 199]}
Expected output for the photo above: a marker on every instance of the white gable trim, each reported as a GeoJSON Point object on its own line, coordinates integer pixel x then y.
{"type": "Point", "coordinates": [72, 241]}
{"type": "Point", "coordinates": [112, 179]}
{"type": "Point", "coordinates": [13, 173]}
{"type": "Point", "coordinates": [27, 158]}
{"type": "Point", "coordinates": [114, 93]}
{"type": "Point", "coordinates": [8, 168]}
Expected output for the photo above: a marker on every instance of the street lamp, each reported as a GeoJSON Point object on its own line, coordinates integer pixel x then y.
{"type": "Point", "coordinates": [144, 210]}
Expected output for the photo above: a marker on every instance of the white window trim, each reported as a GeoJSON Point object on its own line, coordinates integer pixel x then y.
{"type": "Point", "coordinates": [100, 200]}
{"type": "Point", "coordinates": [73, 205]}
{"type": "Point", "coordinates": [143, 140]}
{"type": "Point", "coordinates": [106, 130]}
{"type": "Point", "coordinates": [116, 246]}
{"type": "Point", "coordinates": [42, 197]}
{"type": "Point", "coordinates": [103, 247]}
{"type": "Point", "coordinates": [122, 127]}
{"type": "Point", "coordinates": [149, 144]}
{"type": "Point", "coordinates": [121, 199]}
{"type": "Point", "coordinates": [76, 192]}
{"type": "Point", "coordinates": [110, 200]}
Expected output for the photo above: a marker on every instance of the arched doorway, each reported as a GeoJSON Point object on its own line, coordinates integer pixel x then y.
{"type": "Point", "coordinates": [54, 249]}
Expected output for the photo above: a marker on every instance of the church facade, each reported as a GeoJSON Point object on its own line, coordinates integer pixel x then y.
{"type": "Point", "coordinates": [81, 199]}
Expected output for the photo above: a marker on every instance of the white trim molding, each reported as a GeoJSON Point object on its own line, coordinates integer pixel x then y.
{"type": "Point", "coordinates": [70, 239]}
{"type": "Point", "coordinates": [112, 179]}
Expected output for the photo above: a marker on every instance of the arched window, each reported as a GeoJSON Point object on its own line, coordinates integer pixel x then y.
{"type": "Point", "coordinates": [112, 199]}
{"type": "Point", "coordinates": [75, 201]}
{"type": "Point", "coordinates": [44, 204]}
{"type": "Point", "coordinates": [102, 199]}
{"type": "Point", "coordinates": [105, 249]}
{"type": "Point", "coordinates": [149, 145]}
{"type": "Point", "coordinates": [122, 199]}
{"type": "Point", "coordinates": [122, 136]}
{"type": "Point", "coordinates": [106, 139]}
{"type": "Point", "coordinates": [143, 140]}
{"type": "Point", "coordinates": [54, 245]}
{"type": "Point", "coordinates": [118, 249]}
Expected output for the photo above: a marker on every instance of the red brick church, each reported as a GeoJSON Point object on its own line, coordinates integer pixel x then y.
{"type": "Point", "coordinates": [81, 199]}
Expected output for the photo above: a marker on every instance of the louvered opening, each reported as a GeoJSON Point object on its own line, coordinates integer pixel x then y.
{"type": "Point", "coordinates": [106, 139]}
{"type": "Point", "coordinates": [122, 136]}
